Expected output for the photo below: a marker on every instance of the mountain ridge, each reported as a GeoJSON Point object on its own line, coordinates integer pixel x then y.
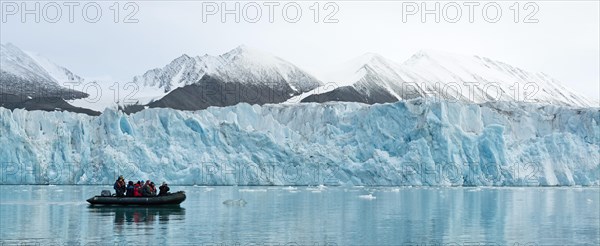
{"type": "Point", "coordinates": [244, 74]}
{"type": "Point", "coordinates": [239, 75]}
{"type": "Point", "coordinates": [32, 82]}
{"type": "Point", "coordinates": [447, 76]}
{"type": "Point", "coordinates": [231, 66]}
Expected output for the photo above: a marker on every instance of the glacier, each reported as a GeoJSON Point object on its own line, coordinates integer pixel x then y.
{"type": "Point", "coordinates": [415, 142]}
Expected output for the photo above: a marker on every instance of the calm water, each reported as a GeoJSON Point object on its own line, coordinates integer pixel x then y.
{"type": "Point", "coordinates": [307, 216]}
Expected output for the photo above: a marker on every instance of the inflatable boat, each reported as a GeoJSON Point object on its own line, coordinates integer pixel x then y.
{"type": "Point", "coordinates": [170, 199]}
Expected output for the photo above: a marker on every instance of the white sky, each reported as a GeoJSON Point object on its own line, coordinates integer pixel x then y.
{"type": "Point", "coordinates": [564, 43]}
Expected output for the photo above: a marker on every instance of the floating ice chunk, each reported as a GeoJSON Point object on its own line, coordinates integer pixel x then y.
{"type": "Point", "coordinates": [290, 188]}
{"type": "Point", "coordinates": [367, 197]}
{"type": "Point", "coordinates": [316, 189]}
{"type": "Point", "coordinates": [237, 202]}
{"type": "Point", "coordinates": [253, 190]}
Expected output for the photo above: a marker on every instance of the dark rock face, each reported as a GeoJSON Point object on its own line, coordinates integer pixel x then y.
{"type": "Point", "coordinates": [17, 92]}
{"type": "Point", "coordinates": [350, 94]}
{"type": "Point", "coordinates": [210, 91]}
{"type": "Point", "coordinates": [12, 102]}
{"type": "Point", "coordinates": [24, 88]}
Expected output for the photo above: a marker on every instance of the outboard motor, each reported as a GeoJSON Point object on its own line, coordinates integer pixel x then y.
{"type": "Point", "coordinates": [105, 193]}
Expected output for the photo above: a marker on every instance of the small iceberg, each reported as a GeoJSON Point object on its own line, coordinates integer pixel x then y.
{"type": "Point", "coordinates": [238, 202]}
{"type": "Point", "coordinates": [290, 188]}
{"type": "Point", "coordinates": [316, 189]}
{"type": "Point", "coordinates": [367, 197]}
{"type": "Point", "coordinates": [253, 190]}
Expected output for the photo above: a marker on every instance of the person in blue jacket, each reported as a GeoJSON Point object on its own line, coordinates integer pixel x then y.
{"type": "Point", "coordinates": [120, 186]}
{"type": "Point", "coordinates": [130, 188]}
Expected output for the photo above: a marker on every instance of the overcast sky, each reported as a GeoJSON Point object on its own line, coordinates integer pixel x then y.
{"type": "Point", "coordinates": [564, 43]}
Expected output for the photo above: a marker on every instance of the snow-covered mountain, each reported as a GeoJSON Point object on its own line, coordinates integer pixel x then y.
{"type": "Point", "coordinates": [26, 74]}
{"type": "Point", "coordinates": [414, 142]}
{"type": "Point", "coordinates": [247, 75]}
{"type": "Point", "coordinates": [230, 74]}
{"type": "Point", "coordinates": [372, 78]}
{"type": "Point", "coordinates": [57, 73]}
{"type": "Point", "coordinates": [18, 63]}
{"type": "Point", "coordinates": [33, 82]}
{"type": "Point", "coordinates": [241, 64]}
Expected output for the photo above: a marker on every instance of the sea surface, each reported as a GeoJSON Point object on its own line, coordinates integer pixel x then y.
{"type": "Point", "coordinates": [59, 215]}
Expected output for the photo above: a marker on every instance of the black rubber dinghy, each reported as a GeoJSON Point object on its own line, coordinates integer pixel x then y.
{"type": "Point", "coordinates": [170, 199]}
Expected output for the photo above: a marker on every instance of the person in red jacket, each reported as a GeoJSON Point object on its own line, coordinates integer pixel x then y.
{"type": "Point", "coordinates": [153, 189]}
{"type": "Point", "coordinates": [136, 189]}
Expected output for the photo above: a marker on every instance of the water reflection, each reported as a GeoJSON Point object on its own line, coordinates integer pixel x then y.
{"type": "Point", "coordinates": [335, 216]}
{"type": "Point", "coordinates": [139, 215]}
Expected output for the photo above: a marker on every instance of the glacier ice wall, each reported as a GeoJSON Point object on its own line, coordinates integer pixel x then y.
{"type": "Point", "coordinates": [414, 142]}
